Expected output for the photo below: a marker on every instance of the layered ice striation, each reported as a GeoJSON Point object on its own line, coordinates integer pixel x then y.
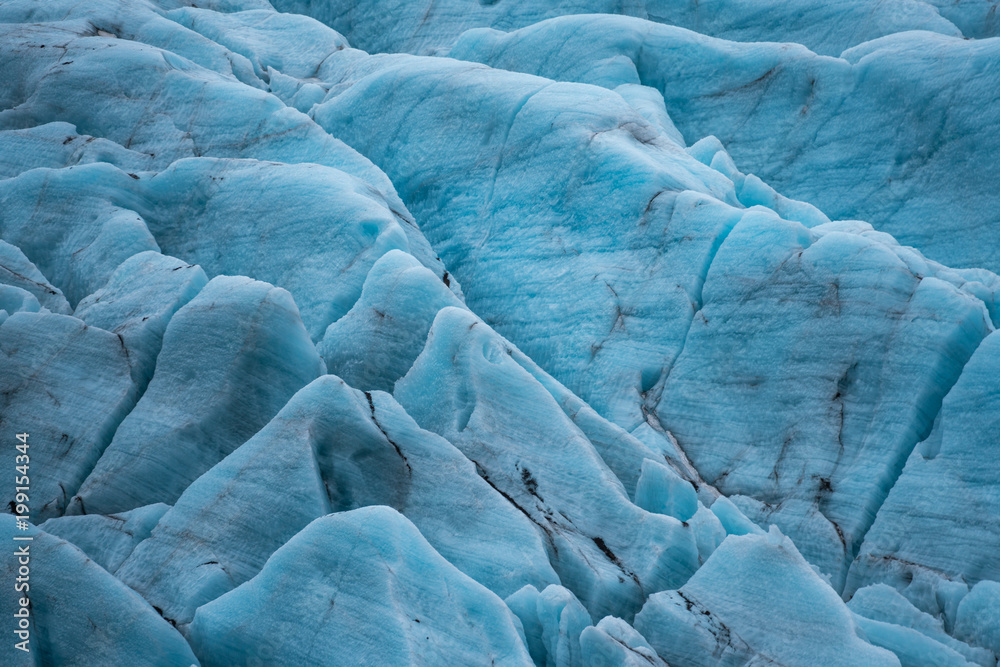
{"type": "Point", "coordinates": [428, 25]}
{"type": "Point", "coordinates": [557, 334]}
{"type": "Point", "coordinates": [892, 131]}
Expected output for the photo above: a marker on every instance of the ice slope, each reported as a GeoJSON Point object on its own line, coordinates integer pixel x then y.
{"type": "Point", "coordinates": [69, 224]}
{"type": "Point", "coordinates": [79, 378]}
{"type": "Point", "coordinates": [335, 449]}
{"type": "Point", "coordinates": [378, 593]}
{"type": "Point", "coordinates": [422, 27]}
{"type": "Point", "coordinates": [756, 601]}
{"type": "Point", "coordinates": [351, 222]}
{"type": "Point", "coordinates": [504, 421]}
{"type": "Point", "coordinates": [17, 271]}
{"type": "Point", "coordinates": [57, 145]}
{"type": "Point", "coordinates": [399, 304]}
{"type": "Point", "coordinates": [80, 614]}
{"type": "Point", "coordinates": [335, 212]}
{"type": "Point", "coordinates": [891, 621]}
{"type": "Point", "coordinates": [614, 642]}
{"type": "Point", "coordinates": [137, 303]}
{"type": "Point", "coordinates": [830, 500]}
{"type": "Point", "coordinates": [553, 621]}
{"type": "Point", "coordinates": [246, 346]}
{"type": "Point", "coordinates": [377, 342]}
{"type": "Point", "coordinates": [816, 443]}
{"type": "Point", "coordinates": [493, 137]}
{"type": "Point", "coordinates": [937, 533]}
{"type": "Point", "coordinates": [107, 539]}
{"type": "Point", "coordinates": [532, 468]}
{"type": "Point", "coordinates": [978, 620]}
{"type": "Point", "coordinates": [185, 96]}
{"type": "Point", "coordinates": [895, 131]}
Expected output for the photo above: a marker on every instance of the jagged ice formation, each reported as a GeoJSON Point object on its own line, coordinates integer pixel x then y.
{"type": "Point", "coordinates": [467, 332]}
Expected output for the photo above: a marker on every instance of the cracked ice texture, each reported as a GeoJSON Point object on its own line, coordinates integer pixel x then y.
{"type": "Point", "coordinates": [915, 545]}
{"type": "Point", "coordinates": [894, 131]}
{"type": "Point", "coordinates": [377, 592]}
{"type": "Point", "coordinates": [426, 25]}
{"type": "Point", "coordinates": [657, 351]}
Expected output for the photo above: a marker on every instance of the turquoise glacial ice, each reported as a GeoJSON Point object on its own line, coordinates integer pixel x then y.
{"type": "Point", "coordinates": [80, 613]}
{"type": "Point", "coordinates": [377, 592]}
{"type": "Point", "coordinates": [893, 131]}
{"type": "Point", "coordinates": [458, 332]}
{"type": "Point", "coordinates": [253, 355]}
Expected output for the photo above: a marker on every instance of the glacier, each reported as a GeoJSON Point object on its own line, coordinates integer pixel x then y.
{"type": "Point", "coordinates": [806, 123]}
{"type": "Point", "coordinates": [475, 332]}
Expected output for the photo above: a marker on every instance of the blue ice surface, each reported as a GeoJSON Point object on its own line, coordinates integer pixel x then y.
{"type": "Point", "coordinates": [535, 334]}
{"type": "Point", "coordinates": [429, 25]}
{"type": "Point", "coordinates": [891, 621]}
{"type": "Point", "coordinates": [79, 379]}
{"type": "Point", "coordinates": [338, 449]}
{"type": "Point", "coordinates": [891, 131]}
{"type": "Point", "coordinates": [245, 341]}
{"type": "Point", "coordinates": [80, 613]}
{"type": "Point", "coordinates": [19, 275]}
{"type": "Point", "coordinates": [933, 557]}
{"type": "Point", "coordinates": [376, 591]}
{"type": "Point", "coordinates": [756, 600]}
{"type": "Point", "coordinates": [137, 303]}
